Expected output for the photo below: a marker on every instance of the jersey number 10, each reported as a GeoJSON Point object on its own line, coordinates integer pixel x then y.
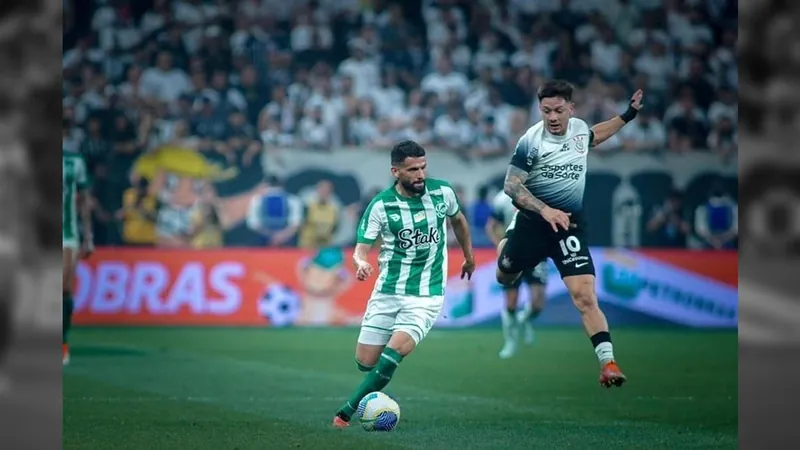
{"type": "Point", "coordinates": [570, 245]}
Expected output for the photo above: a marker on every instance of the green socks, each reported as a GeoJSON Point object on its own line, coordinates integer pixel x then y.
{"type": "Point", "coordinates": [66, 315]}
{"type": "Point", "coordinates": [375, 380]}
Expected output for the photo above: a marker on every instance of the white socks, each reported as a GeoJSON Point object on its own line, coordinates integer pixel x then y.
{"type": "Point", "coordinates": [605, 352]}
{"type": "Point", "coordinates": [509, 321]}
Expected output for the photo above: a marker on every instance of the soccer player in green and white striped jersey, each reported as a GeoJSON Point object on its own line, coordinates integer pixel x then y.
{"type": "Point", "coordinates": [76, 232]}
{"type": "Point", "coordinates": [410, 218]}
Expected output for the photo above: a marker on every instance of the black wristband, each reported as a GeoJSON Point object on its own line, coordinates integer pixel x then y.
{"type": "Point", "coordinates": [629, 114]}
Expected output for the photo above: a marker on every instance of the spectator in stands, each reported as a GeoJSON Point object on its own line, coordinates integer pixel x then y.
{"type": "Point", "coordinates": [725, 105]}
{"type": "Point", "coordinates": [723, 137]}
{"type": "Point", "coordinates": [313, 132]}
{"type": "Point", "coordinates": [488, 142]}
{"type": "Point", "coordinates": [444, 80]}
{"type": "Point", "coordinates": [138, 215]}
{"type": "Point", "coordinates": [95, 147]}
{"type": "Point", "coordinates": [363, 127]}
{"type": "Point", "coordinates": [451, 129]}
{"type": "Point", "coordinates": [644, 134]}
{"type": "Point", "coordinates": [321, 218]}
{"type": "Point", "coordinates": [716, 221]}
{"type": "Point", "coordinates": [667, 224]}
{"type": "Point", "coordinates": [364, 70]}
{"type": "Point", "coordinates": [686, 123]}
{"type": "Point", "coordinates": [164, 82]}
{"type": "Point", "coordinates": [481, 209]}
{"type": "Point", "coordinates": [275, 214]}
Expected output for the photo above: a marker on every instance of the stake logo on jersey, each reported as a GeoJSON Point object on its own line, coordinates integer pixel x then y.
{"type": "Point", "coordinates": [417, 238]}
{"type": "Point", "coordinates": [556, 164]}
{"type": "Point", "coordinates": [413, 254]}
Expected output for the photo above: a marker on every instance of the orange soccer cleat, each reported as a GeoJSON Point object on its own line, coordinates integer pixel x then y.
{"type": "Point", "coordinates": [611, 375]}
{"type": "Point", "coordinates": [64, 354]}
{"type": "Point", "coordinates": [338, 422]}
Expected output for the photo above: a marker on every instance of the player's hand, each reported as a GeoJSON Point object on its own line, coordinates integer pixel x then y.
{"type": "Point", "coordinates": [363, 270]}
{"type": "Point", "coordinates": [467, 268]}
{"type": "Point", "coordinates": [556, 218]}
{"type": "Point", "coordinates": [636, 100]}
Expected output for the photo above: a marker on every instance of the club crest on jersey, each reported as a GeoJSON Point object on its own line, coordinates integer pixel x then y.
{"type": "Point", "coordinates": [580, 143]}
{"type": "Point", "coordinates": [441, 210]}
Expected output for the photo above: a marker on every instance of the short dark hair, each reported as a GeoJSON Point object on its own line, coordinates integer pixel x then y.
{"type": "Point", "coordinates": [406, 149]}
{"type": "Point", "coordinates": [555, 88]}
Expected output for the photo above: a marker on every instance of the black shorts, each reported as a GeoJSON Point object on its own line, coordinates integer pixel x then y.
{"type": "Point", "coordinates": [533, 240]}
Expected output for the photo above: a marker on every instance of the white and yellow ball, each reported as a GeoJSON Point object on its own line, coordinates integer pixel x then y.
{"type": "Point", "coordinates": [378, 412]}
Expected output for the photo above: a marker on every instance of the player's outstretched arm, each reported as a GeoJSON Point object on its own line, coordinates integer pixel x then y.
{"type": "Point", "coordinates": [604, 130]}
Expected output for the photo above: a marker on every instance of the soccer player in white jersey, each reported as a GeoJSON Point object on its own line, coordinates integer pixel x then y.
{"type": "Point", "coordinates": [409, 217]}
{"type": "Point", "coordinates": [499, 226]}
{"type": "Point", "coordinates": [76, 233]}
{"type": "Point", "coordinates": [546, 179]}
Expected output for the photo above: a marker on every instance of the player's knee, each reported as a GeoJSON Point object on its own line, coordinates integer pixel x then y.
{"type": "Point", "coordinates": [403, 342]}
{"type": "Point", "coordinates": [364, 367]}
{"type": "Point", "coordinates": [367, 358]}
{"type": "Point", "coordinates": [506, 279]}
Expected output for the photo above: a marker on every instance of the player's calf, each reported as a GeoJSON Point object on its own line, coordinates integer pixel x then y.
{"type": "Point", "coordinates": [581, 289]}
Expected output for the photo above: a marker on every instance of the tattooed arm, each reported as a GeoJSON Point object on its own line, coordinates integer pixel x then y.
{"type": "Point", "coordinates": [520, 167]}
{"type": "Point", "coordinates": [514, 187]}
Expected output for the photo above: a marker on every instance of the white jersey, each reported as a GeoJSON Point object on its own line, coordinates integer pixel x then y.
{"type": "Point", "coordinates": [556, 164]}
{"type": "Point", "coordinates": [503, 209]}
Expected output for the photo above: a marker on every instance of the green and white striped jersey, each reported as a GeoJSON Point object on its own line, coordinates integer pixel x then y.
{"type": "Point", "coordinates": [413, 254]}
{"type": "Point", "coordinates": [76, 178]}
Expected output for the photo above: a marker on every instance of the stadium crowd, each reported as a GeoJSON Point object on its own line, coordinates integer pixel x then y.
{"type": "Point", "coordinates": [234, 79]}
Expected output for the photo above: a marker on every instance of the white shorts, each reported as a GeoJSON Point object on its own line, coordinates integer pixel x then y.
{"type": "Point", "coordinates": [387, 313]}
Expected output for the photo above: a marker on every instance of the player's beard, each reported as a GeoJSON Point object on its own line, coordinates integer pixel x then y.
{"type": "Point", "coordinates": [411, 188]}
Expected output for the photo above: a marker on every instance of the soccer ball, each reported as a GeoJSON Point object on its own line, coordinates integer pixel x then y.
{"type": "Point", "coordinates": [280, 305]}
{"type": "Point", "coordinates": [378, 412]}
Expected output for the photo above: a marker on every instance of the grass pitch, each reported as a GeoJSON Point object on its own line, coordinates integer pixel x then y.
{"type": "Point", "coordinates": [237, 389]}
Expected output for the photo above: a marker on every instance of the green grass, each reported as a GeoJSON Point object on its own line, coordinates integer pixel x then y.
{"type": "Point", "coordinates": [227, 389]}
